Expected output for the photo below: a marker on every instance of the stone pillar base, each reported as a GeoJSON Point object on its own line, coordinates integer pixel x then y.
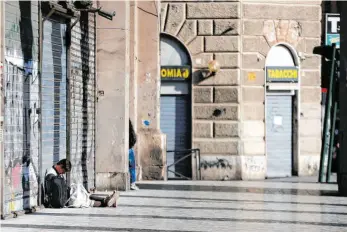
{"type": "Point", "coordinates": [151, 149]}
{"type": "Point", "coordinates": [308, 165]}
{"type": "Point", "coordinates": [112, 181]}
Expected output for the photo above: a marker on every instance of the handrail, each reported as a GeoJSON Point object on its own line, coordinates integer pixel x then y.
{"type": "Point", "coordinates": [196, 153]}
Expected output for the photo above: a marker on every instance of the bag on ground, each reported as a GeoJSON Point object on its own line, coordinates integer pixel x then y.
{"type": "Point", "coordinates": [79, 197]}
{"type": "Point", "coordinates": [58, 192]}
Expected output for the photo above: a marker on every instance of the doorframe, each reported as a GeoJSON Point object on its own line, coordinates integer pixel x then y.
{"type": "Point", "coordinates": [296, 107]}
{"type": "Point", "coordinates": [190, 89]}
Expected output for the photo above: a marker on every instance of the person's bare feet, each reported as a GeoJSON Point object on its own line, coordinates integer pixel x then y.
{"type": "Point", "coordinates": [111, 200]}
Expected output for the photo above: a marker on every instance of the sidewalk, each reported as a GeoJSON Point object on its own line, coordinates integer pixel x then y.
{"type": "Point", "coordinates": [203, 206]}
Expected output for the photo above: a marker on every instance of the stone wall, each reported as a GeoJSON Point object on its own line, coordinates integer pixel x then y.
{"type": "Point", "coordinates": [212, 31]}
{"type": "Point", "coordinates": [299, 26]}
{"type": "Point", "coordinates": [228, 108]}
{"type": "Point", "coordinates": [113, 68]}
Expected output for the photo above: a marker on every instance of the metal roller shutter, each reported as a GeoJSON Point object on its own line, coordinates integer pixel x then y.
{"type": "Point", "coordinates": [53, 93]}
{"type": "Point", "coordinates": [82, 101]}
{"type": "Point", "coordinates": [21, 97]}
{"type": "Point", "coordinates": [175, 123]}
{"type": "Point", "coordinates": [279, 136]}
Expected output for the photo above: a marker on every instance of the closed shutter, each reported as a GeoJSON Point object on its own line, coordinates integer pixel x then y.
{"type": "Point", "coordinates": [21, 97]}
{"type": "Point", "coordinates": [279, 136]}
{"type": "Point", "coordinates": [53, 90]}
{"type": "Point", "coordinates": [175, 123]}
{"type": "Point", "coordinates": [82, 101]}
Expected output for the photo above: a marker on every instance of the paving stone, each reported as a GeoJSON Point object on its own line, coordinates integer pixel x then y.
{"type": "Point", "coordinates": [271, 205]}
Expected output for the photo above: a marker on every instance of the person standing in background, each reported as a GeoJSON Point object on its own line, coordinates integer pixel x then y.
{"type": "Point", "coordinates": [132, 160]}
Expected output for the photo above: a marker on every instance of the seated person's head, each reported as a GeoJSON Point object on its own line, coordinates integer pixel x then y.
{"type": "Point", "coordinates": [63, 166]}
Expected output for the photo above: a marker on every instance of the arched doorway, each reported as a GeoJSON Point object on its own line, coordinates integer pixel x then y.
{"type": "Point", "coordinates": [281, 104]}
{"type": "Point", "coordinates": [175, 105]}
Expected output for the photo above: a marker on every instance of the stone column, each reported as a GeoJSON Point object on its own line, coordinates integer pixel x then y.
{"type": "Point", "coordinates": [151, 148]}
{"type": "Point", "coordinates": [112, 118]}
{"type": "Point", "coordinates": [133, 74]}
{"type": "Point", "coordinates": [2, 166]}
{"type": "Point", "coordinates": [133, 65]}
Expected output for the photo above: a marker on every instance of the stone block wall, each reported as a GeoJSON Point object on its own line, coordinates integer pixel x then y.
{"type": "Point", "coordinates": [266, 24]}
{"type": "Point", "coordinates": [228, 109]}
{"type": "Point", "coordinates": [211, 30]}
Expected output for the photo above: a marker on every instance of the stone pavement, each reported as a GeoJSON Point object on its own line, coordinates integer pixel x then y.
{"type": "Point", "coordinates": [203, 206]}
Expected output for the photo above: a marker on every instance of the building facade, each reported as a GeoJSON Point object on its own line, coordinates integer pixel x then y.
{"type": "Point", "coordinates": [257, 117]}
{"type": "Point", "coordinates": [71, 81]}
{"type": "Point", "coordinates": [48, 98]}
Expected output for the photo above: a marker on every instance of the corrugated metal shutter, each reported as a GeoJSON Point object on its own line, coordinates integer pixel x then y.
{"type": "Point", "coordinates": [279, 135]}
{"type": "Point", "coordinates": [21, 96]}
{"type": "Point", "coordinates": [175, 123]}
{"type": "Point", "coordinates": [54, 96]}
{"type": "Point", "coordinates": [82, 101]}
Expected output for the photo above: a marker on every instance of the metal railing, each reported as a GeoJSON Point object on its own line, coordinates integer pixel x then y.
{"type": "Point", "coordinates": [190, 153]}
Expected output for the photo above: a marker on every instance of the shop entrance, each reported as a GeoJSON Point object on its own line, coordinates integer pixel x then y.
{"type": "Point", "coordinates": [175, 106]}
{"type": "Point", "coordinates": [282, 85]}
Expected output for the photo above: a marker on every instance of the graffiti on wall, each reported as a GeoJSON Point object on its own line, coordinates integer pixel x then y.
{"type": "Point", "coordinates": [254, 164]}
{"type": "Point", "coordinates": [21, 135]}
{"type": "Point", "coordinates": [21, 98]}
{"type": "Point", "coordinates": [218, 163]}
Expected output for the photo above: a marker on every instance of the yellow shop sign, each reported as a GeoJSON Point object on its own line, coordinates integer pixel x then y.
{"type": "Point", "coordinates": [282, 74]}
{"type": "Point", "coordinates": [175, 72]}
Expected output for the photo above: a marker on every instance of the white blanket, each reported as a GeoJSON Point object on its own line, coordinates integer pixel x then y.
{"type": "Point", "coordinates": [79, 197]}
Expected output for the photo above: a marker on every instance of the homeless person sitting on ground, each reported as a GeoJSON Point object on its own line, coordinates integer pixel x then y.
{"type": "Point", "coordinates": [58, 194]}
